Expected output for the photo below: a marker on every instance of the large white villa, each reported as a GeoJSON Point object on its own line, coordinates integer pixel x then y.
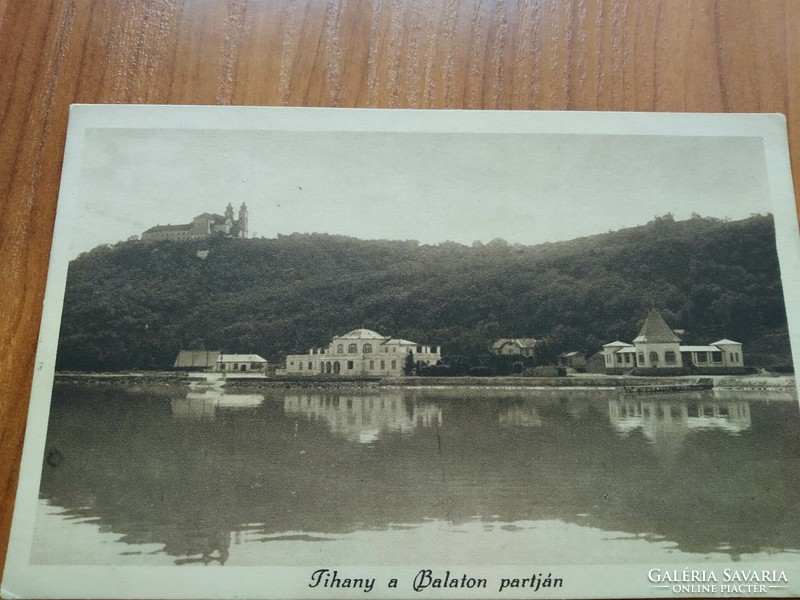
{"type": "Point", "coordinates": [361, 352]}
{"type": "Point", "coordinates": [657, 346]}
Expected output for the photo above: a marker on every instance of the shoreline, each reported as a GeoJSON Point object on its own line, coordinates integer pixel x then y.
{"type": "Point", "coordinates": [583, 381]}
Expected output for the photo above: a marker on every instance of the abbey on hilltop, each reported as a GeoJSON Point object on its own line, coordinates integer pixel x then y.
{"type": "Point", "coordinates": [204, 225]}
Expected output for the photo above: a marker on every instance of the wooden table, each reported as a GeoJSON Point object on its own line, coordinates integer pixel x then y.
{"type": "Point", "coordinates": [646, 55]}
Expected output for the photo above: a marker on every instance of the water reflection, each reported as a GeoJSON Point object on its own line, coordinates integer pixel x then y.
{"type": "Point", "coordinates": [522, 414]}
{"type": "Point", "coordinates": [666, 423]}
{"type": "Point", "coordinates": [362, 418]}
{"type": "Point", "coordinates": [196, 472]}
{"type": "Point", "coordinates": [204, 405]}
{"type": "Point", "coordinates": [655, 416]}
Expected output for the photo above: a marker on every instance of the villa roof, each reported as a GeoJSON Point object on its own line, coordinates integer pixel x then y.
{"type": "Point", "coordinates": [362, 334]}
{"type": "Point", "coordinates": [655, 330]}
{"type": "Point", "coordinates": [726, 342]}
{"type": "Point", "coordinates": [617, 344]}
{"type": "Point", "coordinates": [699, 349]}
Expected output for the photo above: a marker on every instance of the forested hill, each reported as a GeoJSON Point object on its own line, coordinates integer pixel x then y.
{"type": "Point", "coordinates": [135, 304]}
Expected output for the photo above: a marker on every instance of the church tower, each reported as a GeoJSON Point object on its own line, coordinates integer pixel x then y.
{"type": "Point", "coordinates": [242, 222]}
{"type": "Point", "coordinates": [229, 212]}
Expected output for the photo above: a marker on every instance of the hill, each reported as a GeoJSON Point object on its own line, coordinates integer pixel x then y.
{"type": "Point", "coordinates": [135, 304]}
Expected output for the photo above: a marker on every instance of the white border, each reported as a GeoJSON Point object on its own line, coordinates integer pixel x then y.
{"type": "Point", "coordinates": [22, 580]}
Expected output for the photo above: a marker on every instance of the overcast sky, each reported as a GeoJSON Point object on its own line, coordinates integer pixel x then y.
{"type": "Point", "coordinates": [431, 187]}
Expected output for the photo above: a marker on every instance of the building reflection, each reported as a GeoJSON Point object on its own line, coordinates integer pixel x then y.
{"type": "Point", "coordinates": [364, 419]}
{"type": "Point", "coordinates": [667, 422]}
{"type": "Point", "coordinates": [206, 404]}
{"type": "Point", "coordinates": [524, 414]}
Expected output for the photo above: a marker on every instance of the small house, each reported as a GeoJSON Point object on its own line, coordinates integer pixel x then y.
{"type": "Point", "coordinates": [514, 347]}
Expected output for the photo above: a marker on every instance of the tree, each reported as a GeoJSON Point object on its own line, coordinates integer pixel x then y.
{"type": "Point", "coordinates": [408, 365]}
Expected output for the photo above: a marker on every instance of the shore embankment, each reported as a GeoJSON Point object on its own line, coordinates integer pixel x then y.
{"type": "Point", "coordinates": [576, 381]}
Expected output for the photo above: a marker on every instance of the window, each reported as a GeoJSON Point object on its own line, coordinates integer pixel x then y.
{"type": "Point", "coordinates": [394, 364]}
{"type": "Point", "coordinates": [300, 366]}
{"type": "Point", "coordinates": [619, 358]}
{"type": "Point", "coordinates": [352, 349]}
{"type": "Point", "coordinates": [371, 365]}
{"type": "Point", "coordinates": [716, 357]}
{"type": "Point", "coordinates": [310, 366]}
{"type": "Point", "coordinates": [654, 358]}
{"type": "Point", "coordinates": [433, 349]}
{"type": "Point", "coordinates": [383, 364]}
{"type": "Point", "coordinates": [222, 365]}
{"type": "Point", "coordinates": [340, 349]}
{"type": "Point", "coordinates": [670, 358]}
{"type": "Point", "coordinates": [367, 349]}
{"type": "Point", "coordinates": [350, 365]}
{"type": "Point", "coordinates": [641, 358]}
{"type": "Point", "coordinates": [627, 359]}
{"type": "Point", "coordinates": [731, 355]}
{"type": "Point", "coordinates": [702, 357]}
{"type": "Point", "coordinates": [608, 359]}
{"type": "Point", "coordinates": [419, 349]}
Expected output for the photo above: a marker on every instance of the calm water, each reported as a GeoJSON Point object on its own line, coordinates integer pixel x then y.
{"type": "Point", "coordinates": [148, 475]}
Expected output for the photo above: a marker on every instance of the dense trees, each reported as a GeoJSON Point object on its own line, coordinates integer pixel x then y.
{"type": "Point", "coordinates": [134, 305]}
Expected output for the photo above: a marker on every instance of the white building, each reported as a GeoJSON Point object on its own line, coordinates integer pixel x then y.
{"type": "Point", "coordinates": [362, 352]}
{"type": "Point", "coordinates": [657, 346]}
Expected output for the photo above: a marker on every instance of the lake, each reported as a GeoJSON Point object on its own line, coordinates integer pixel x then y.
{"type": "Point", "coordinates": [152, 474]}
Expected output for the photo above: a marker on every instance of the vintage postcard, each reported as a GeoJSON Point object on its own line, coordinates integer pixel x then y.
{"type": "Point", "coordinates": [322, 353]}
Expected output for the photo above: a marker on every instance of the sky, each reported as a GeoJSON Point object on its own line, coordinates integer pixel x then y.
{"type": "Point", "coordinates": [431, 187]}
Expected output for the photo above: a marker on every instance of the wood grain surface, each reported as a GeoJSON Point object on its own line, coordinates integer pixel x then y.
{"type": "Point", "coordinates": [645, 55]}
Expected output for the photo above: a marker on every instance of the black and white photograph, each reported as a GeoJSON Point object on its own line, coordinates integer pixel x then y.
{"type": "Point", "coordinates": [331, 353]}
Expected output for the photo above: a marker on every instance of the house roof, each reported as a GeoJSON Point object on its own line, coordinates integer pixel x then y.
{"type": "Point", "coordinates": [726, 342]}
{"type": "Point", "coordinates": [519, 342]}
{"type": "Point", "coordinates": [571, 354]}
{"type": "Point", "coordinates": [627, 350]}
{"type": "Point", "coordinates": [196, 358]}
{"type": "Point", "coordinates": [699, 349]}
{"type": "Point", "coordinates": [655, 330]}
{"type": "Point", "coordinates": [617, 344]}
{"type": "Point", "coordinates": [240, 358]}
{"type": "Point", "coordinates": [362, 334]}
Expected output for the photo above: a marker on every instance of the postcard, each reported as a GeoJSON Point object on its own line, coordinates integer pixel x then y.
{"type": "Point", "coordinates": [324, 353]}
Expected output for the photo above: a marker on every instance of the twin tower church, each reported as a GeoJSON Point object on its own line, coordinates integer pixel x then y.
{"type": "Point", "coordinates": [204, 225]}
